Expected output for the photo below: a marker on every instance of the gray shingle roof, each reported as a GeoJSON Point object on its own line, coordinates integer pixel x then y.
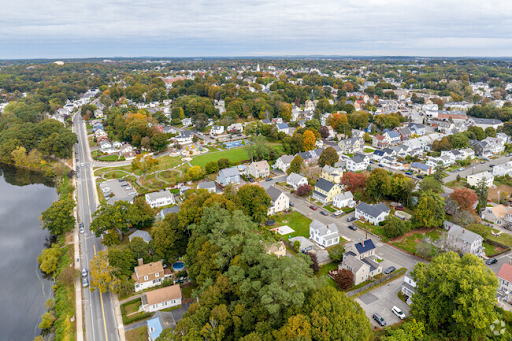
{"type": "Point", "coordinates": [158, 195]}
{"type": "Point", "coordinates": [358, 158]}
{"type": "Point", "coordinates": [294, 178]}
{"type": "Point", "coordinates": [206, 185]}
{"type": "Point", "coordinates": [461, 233]}
{"type": "Point", "coordinates": [274, 193]}
{"type": "Point", "coordinates": [325, 185]}
{"type": "Point", "coordinates": [372, 210]}
{"type": "Point", "coordinates": [228, 172]}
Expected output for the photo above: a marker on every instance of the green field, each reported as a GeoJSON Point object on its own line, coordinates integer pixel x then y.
{"type": "Point", "coordinates": [296, 221]}
{"type": "Point", "coordinates": [234, 155]}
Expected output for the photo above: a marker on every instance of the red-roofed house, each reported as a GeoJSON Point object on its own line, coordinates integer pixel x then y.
{"type": "Point", "coordinates": [505, 278]}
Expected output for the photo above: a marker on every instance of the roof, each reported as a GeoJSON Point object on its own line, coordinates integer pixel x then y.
{"type": "Point", "coordinates": [260, 164]}
{"type": "Point", "coordinates": [329, 169]}
{"type": "Point", "coordinates": [505, 272]}
{"type": "Point", "coordinates": [282, 126]}
{"type": "Point", "coordinates": [185, 133]}
{"type": "Point", "coordinates": [378, 152]}
{"type": "Point", "coordinates": [165, 294]}
{"type": "Point", "coordinates": [344, 196]}
{"type": "Point", "coordinates": [229, 172]}
{"type": "Point", "coordinates": [420, 166]}
{"type": "Point", "coordinates": [159, 195]}
{"type": "Point", "coordinates": [294, 178]}
{"type": "Point", "coordinates": [350, 260]}
{"type": "Point", "coordinates": [373, 210]}
{"type": "Point", "coordinates": [141, 234]}
{"type": "Point", "coordinates": [147, 269]}
{"type": "Point", "coordinates": [393, 134]}
{"type": "Point", "coordinates": [305, 155]}
{"type": "Point", "coordinates": [500, 211]}
{"type": "Point", "coordinates": [160, 321]}
{"type": "Point", "coordinates": [365, 246]}
{"type": "Point", "coordinates": [358, 158]}
{"type": "Point", "coordinates": [486, 121]}
{"type": "Point", "coordinates": [276, 247]}
{"type": "Point", "coordinates": [325, 185]}
{"type": "Point", "coordinates": [206, 185]}
{"type": "Point", "coordinates": [481, 175]}
{"type": "Point", "coordinates": [458, 232]}
{"type": "Point", "coordinates": [169, 210]}
{"type": "Point", "coordinates": [323, 229]}
{"type": "Point", "coordinates": [304, 242]}
{"type": "Point", "coordinates": [286, 158]}
{"type": "Point", "coordinates": [274, 193]}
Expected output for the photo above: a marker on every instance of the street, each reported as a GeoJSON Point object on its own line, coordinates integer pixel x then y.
{"type": "Point", "coordinates": [100, 323]}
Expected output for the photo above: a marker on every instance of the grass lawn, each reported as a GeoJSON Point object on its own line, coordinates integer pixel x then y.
{"type": "Point", "coordinates": [139, 334]}
{"type": "Point", "coordinates": [368, 150]}
{"type": "Point", "coordinates": [166, 162]}
{"type": "Point", "coordinates": [115, 175]}
{"type": "Point", "coordinates": [485, 232]}
{"type": "Point", "coordinates": [410, 241]}
{"type": "Point", "coordinates": [111, 158]}
{"type": "Point", "coordinates": [296, 221]}
{"type": "Point", "coordinates": [234, 155]}
{"type": "Point", "coordinates": [330, 208]}
{"type": "Point", "coordinates": [324, 270]}
{"type": "Point", "coordinates": [187, 292]}
{"type": "Point", "coordinates": [456, 184]}
{"type": "Point", "coordinates": [378, 230]}
{"type": "Point", "coordinates": [489, 249]}
{"type": "Point", "coordinates": [130, 314]}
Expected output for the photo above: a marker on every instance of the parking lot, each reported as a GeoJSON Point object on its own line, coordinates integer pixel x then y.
{"type": "Point", "coordinates": [117, 190]}
{"type": "Point", "coordinates": [381, 300]}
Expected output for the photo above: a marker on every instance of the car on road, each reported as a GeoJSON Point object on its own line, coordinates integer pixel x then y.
{"type": "Point", "coordinates": [77, 168]}
{"type": "Point", "coordinates": [250, 179]}
{"type": "Point", "coordinates": [339, 212]}
{"type": "Point", "coordinates": [408, 173]}
{"type": "Point", "coordinates": [419, 176]}
{"type": "Point", "coordinates": [85, 282]}
{"type": "Point", "coordinates": [482, 162]}
{"type": "Point", "coordinates": [491, 165]}
{"type": "Point", "coordinates": [351, 219]}
{"type": "Point", "coordinates": [82, 164]}
{"type": "Point", "coordinates": [352, 227]}
{"type": "Point", "coordinates": [491, 261]}
{"type": "Point", "coordinates": [77, 160]}
{"type": "Point", "coordinates": [84, 272]}
{"type": "Point", "coordinates": [379, 319]}
{"type": "Point", "coordinates": [313, 208]}
{"type": "Point", "coordinates": [269, 179]}
{"type": "Point", "coordinates": [82, 230]}
{"type": "Point", "coordinates": [461, 169]}
{"type": "Point", "coordinates": [292, 204]}
{"type": "Point", "coordinates": [389, 270]}
{"type": "Point", "coordinates": [381, 165]}
{"type": "Point", "coordinates": [400, 314]}
{"type": "Point", "coordinates": [77, 175]}
{"type": "Point", "coordinates": [509, 154]}
{"type": "Point", "coordinates": [324, 213]}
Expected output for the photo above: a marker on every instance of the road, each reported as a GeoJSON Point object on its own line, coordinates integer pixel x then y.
{"type": "Point", "coordinates": [476, 168]}
{"type": "Point", "coordinates": [100, 323]}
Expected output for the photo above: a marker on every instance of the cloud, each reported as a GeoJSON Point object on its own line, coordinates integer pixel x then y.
{"type": "Point", "coordinates": [234, 27]}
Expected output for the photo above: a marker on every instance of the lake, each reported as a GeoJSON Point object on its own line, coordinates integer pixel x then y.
{"type": "Point", "coordinates": [23, 196]}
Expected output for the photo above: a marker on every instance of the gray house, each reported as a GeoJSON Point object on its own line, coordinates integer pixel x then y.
{"type": "Point", "coordinates": [463, 240]}
{"type": "Point", "coordinates": [141, 234]}
{"type": "Point", "coordinates": [229, 176]}
{"type": "Point", "coordinates": [209, 186]}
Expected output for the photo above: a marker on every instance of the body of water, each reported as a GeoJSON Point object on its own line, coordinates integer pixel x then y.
{"type": "Point", "coordinates": [24, 291]}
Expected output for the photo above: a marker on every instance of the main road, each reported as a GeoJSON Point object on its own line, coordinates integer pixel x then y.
{"type": "Point", "coordinates": [100, 323]}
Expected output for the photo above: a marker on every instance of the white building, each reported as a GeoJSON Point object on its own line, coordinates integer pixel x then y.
{"type": "Point", "coordinates": [159, 199]}
{"type": "Point", "coordinates": [358, 162]}
{"type": "Point", "coordinates": [373, 214]}
{"type": "Point", "coordinates": [148, 275]}
{"type": "Point", "coordinates": [279, 200]}
{"type": "Point", "coordinates": [345, 199]}
{"type": "Point", "coordinates": [162, 298]}
{"type": "Point", "coordinates": [283, 163]}
{"type": "Point", "coordinates": [325, 235]}
{"type": "Point", "coordinates": [259, 169]}
{"type": "Point", "coordinates": [474, 179]}
{"type": "Point", "coordinates": [503, 169]}
{"type": "Point", "coordinates": [217, 130]}
{"type": "Point", "coordinates": [295, 180]}
{"type": "Point", "coordinates": [464, 241]}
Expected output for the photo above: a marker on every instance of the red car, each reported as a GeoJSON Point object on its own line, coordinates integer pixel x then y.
{"type": "Point", "coordinates": [313, 208]}
{"type": "Point", "coordinates": [399, 207]}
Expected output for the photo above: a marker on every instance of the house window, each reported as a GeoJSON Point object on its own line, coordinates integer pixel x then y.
{"type": "Point", "coordinates": [157, 274]}
{"type": "Point", "coordinates": [151, 329]}
{"type": "Point", "coordinates": [145, 278]}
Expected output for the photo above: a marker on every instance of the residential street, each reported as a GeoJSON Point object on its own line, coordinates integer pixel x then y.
{"type": "Point", "coordinates": [476, 168]}
{"type": "Point", "coordinates": [100, 323]}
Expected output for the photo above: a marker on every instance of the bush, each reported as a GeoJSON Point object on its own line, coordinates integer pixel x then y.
{"type": "Point", "coordinates": [304, 190]}
{"type": "Point", "coordinates": [344, 279]}
{"type": "Point", "coordinates": [336, 252]}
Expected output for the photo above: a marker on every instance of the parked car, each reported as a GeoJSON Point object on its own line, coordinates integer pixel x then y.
{"type": "Point", "coordinates": [461, 169]}
{"type": "Point", "coordinates": [82, 230]}
{"type": "Point", "coordinates": [399, 207]}
{"type": "Point", "coordinates": [352, 227]}
{"type": "Point", "coordinates": [82, 164]}
{"type": "Point", "coordinates": [371, 161]}
{"type": "Point", "coordinates": [379, 319]}
{"type": "Point", "coordinates": [313, 208]}
{"type": "Point", "coordinates": [482, 162]}
{"type": "Point", "coordinates": [324, 213]}
{"type": "Point", "coordinates": [419, 176]}
{"type": "Point", "coordinates": [381, 165]}
{"type": "Point", "coordinates": [389, 270]}
{"type": "Point", "coordinates": [351, 219]}
{"type": "Point", "coordinates": [77, 175]}
{"type": "Point", "coordinates": [408, 173]}
{"type": "Point", "coordinates": [84, 272]}
{"type": "Point", "coordinates": [292, 204]}
{"type": "Point", "coordinates": [337, 213]}
{"type": "Point", "coordinates": [491, 165]}
{"type": "Point", "coordinates": [85, 282]}
{"type": "Point", "coordinates": [400, 314]}
{"type": "Point", "coordinates": [269, 179]}
{"type": "Point", "coordinates": [250, 179]}
{"type": "Point", "coordinates": [491, 261]}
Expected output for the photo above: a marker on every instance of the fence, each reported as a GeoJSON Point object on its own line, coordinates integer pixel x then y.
{"type": "Point", "coordinates": [376, 282]}
{"type": "Point", "coordinates": [505, 248]}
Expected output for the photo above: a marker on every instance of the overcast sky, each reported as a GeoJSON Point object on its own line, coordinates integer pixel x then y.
{"type": "Point", "coordinates": [189, 28]}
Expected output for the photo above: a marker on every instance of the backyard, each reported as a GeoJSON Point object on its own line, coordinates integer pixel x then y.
{"type": "Point", "coordinates": [378, 230]}
{"type": "Point", "coordinates": [130, 313]}
{"type": "Point", "coordinates": [138, 334]}
{"type": "Point", "coordinates": [409, 241]}
{"type": "Point", "coordinates": [486, 233]}
{"type": "Point", "coordinates": [298, 222]}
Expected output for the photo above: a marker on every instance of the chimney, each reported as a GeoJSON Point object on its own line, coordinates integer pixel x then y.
{"type": "Point", "coordinates": [140, 261]}
{"type": "Point", "coordinates": [362, 242]}
{"type": "Point", "coordinates": [463, 230]}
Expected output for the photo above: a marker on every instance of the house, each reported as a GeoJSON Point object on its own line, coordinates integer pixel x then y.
{"type": "Point", "coordinates": [325, 191]}
{"type": "Point", "coordinates": [465, 241]}
{"type": "Point", "coordinates": [295, 180]}
{"type": "Point", "coordinates": [379, 141]}
{"type": "Point", "coordinates": [503, 169]}
{"type": "Point", "coordinates": [373, 214]}
{"type": "Point", "coordinates": [278, 249]}
{"type": "Point", "coordinates": [392, 136]}
{"type": "Point", "coordinates": [405, 133]}
{"type": "Point", "coordinates": [474, 179]}
{"type": "Point", "coordinates": [358, 162]}
{"type": "Point", "coordinates": [259, 169]}
{"type": "Point", "coordinates": [117, 144]}
{"type": "Point", "coordinates": [486, 122]}
{"type": "Point", "coordinates": [160, 321]}
{"type": "Point", "coordinates": [499, 215]}
{"type": "Point", "coordinates": [505, 282]}
{"type": "Point", "coordinates": [421, 168]}
{"type": "Point", "coordinates": [228, 176]}
{"type": "Point", "coordinates": [283, 163]}
{"type": "Point", "coordinates": [186, 122]}
{"type": "Point", "coordinates": [378, 155]}
{"type": "Point", "coordinates": [331, 174]}
{"type": "Point", "coordinates": [308, 157]}
{"type": "Point", "coordinates": [283, 127]}
{"type": "Point", "coordinates": [208, 185]}
{"type": "Point", "coordinates": [162, 298]}
{"type": "Point", "coordinates": [184, 137]}
{"type": "Point", "coordinates": [279, 200]}
{"type": "Point", "coordinates": [324, 235]}
{"type": "Point", "coordinates": [416, 128]}
{"type": "Point", "coordinates": [169, 210]}
{"type": "Point", "coordinates": [360, 259]}
{"type": "Point", "coordinates": [141, 234]}
{"type": "Point", "coordinates": [159, 199]}
{"type": "Point", "coordinates": [235, 128]}
{"type": "Point", "coordinates": [148, 275]}
{"type": "Point", "coordinates": [217, 130]}
{"type": "Point", "coordinates": [351, 145]}
{"type": "Point", "coordinates": [408, 286]}
{"type": "Point", "coordinates": [306, 245]}
{"type": "Point", "coordinates": [345, 199]}
{"type": "Point", "coordinates": [126, 150]}
{"type": "Point", "coordinates": [105, 146]}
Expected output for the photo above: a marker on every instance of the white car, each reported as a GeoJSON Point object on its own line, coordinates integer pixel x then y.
{"type": "Point", "coordinates": [400, 314]}
{"type": "Point", "coordinates": [337, 213]}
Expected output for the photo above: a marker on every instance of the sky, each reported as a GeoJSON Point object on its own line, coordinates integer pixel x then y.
{"type": "Point", "coordinates": [196, 28]}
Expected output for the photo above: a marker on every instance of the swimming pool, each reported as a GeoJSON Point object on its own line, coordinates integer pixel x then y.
{"type": "Point", "coordinates": [178, 266]}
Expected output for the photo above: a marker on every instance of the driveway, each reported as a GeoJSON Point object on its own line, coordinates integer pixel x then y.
{"type": "Point", "coordinates": [381, 300]}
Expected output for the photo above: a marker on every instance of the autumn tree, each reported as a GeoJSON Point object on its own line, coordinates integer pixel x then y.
{"type": "Point", "coordinates": [254, 201]}
{"type": "Point", "coordinates": [378, 184]}
{"type": "Point", "coordinates": [309, 140]}
{"type": "Point", "coordinates": [395, 227]}
{"type": "Point", "coordinates": [114, 220]}
{"type": "Point", "coordinates": [329, 157]}
{"type": "Point", "coordinates": [344, 279]}
{"type": "Point", "coordinates": [465, 198]}
{"type": "Point", "coordinates": [354, 181]}
{"type": "Point", "coordinates": [296, 165]}
{"type": "Point", "coordinates": [324, 132]}
{"type": "Point", "coordinates": [304, 190]}
{"type": "Point", "coordinates": [211, 167]}
{"type": "Point", "coordinates": [49, 259]}
{"type": "Point", "coordinates": [103, 274]}
{"type": "Point", "coordinates": [144, 164]}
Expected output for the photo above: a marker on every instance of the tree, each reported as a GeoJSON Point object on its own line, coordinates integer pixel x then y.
{"type": "Point", "coordinates": [411, 330]}
{"type": "Point", "coordinates": [455, 296]}
{"type": "Point", "coordinates": [296, 165]}
{"type": "Point", "coordinates": [478, 132]}
{"type": "Point", "coordinates": [103, 274]}
{"type": "Point", "coordinates": [258, 148]}
{"type": "Point", "coordinates": [48, 319]}
{"type": "Point", "coordinates": [304, 190]}
{"type": "Point", "coordinates": [354, 181]}
{"type": "Point", "coordinates": [344, 279]}
{"type": "Point", "coordinates": [145, 164]}
{"type": "Point", "coordinates": [378, 184]}
{"type": "Point", "coordinates": [211, 167]}
{"type": "Point", "coordinates": [170, 238]}
{"type": "Point", "coordinates": [195, 173]}
{"type": "Point", "coordinates": [465, 198]}
{"type": "Point", "coordinates": [324, 132]}
{"type": "Point", "coordinates": [254, 201]}
{"type": "Point", "coordinates": [49, 259]}
{"type": "Point", "coordinates": [58, 218]}
{"type": "Point", "coordinates": [430, 184]}
{"type": "Point", "coordinates": [19, 156]}
{"type": "Point", "coordinates": [482, 192]}
{"type": "Point", "coordinates": [430, 209]}
{"type": "Point", "coordinates": [115, 219]}
{"type": "Point", "coordinates": [314, 262]}
{"type": "Point", "coordinates": [296, 328]}
{"type": "Point", "coordinates": [336, 252]}
{"type": "Point", "coordinates": [329, 157]}
{"type": "Point", "coordinates": [333, 316]}
{"type": "Point", "coordinates": [223, 163]}
{"type": "Point", "coordinates": [395, 227]}
{"type": "Point", "coordinates": [490, 132]}
{"type": "Point", "coordinates": [68, 275]}
{"type": "Point", "coordinates": [122, 259]}
{"type": "Point", "coordinates": [309, 140]}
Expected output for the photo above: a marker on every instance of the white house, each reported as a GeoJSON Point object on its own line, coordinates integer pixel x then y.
{"type": "Point", "coordinates": [279, 200]}
{"type": "Point", "coordinates": [373, 214]}
{"type": "Point", "coordinates": [325, 235]}
{"type": "Point", "coordinates": [159, 199]}
{"type": "Point", "coordinates": [148, 275]}
{"type": "Point", "coordinates": [486, 122]}
{"type": "Point", "coordinates": [236, 127]}
{"type": "Point", "coordinates": [186, 121]}
{"type": "Point", "coordinates": [358, 162]}
{"type": "Point", "coordinates": [464, 241]}
{"type": "Point", "coordinates": [217, 130]}
{"type": "Point", "coordinates": [503, 169]}
{"type": "Point", "coordinates": [499, 215]}
{"type": "Point", "coordinates": [283, 163]}
{"type": "Point", "coordinates": [283, 127]}
{"type": "Point", "coordinates": [295, 180]}
{"type": "Point", "coordinates": [259, 169]}
{"type": "Point", "coordinates": [474, 179]}
{"type": "Point", "coordinates": [184, 137]}
{"type": "Point", "coordinates": [408, 286]}
{"type": "Point", "coordinates": [343, 200]}
{"type": "Point", "coordinates": [162, 298]}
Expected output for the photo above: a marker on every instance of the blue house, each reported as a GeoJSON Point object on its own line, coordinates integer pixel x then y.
{"type": "Point", "coordinates": [229, 176]}
{"type": "Point", "coordinates": [160, 321]}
